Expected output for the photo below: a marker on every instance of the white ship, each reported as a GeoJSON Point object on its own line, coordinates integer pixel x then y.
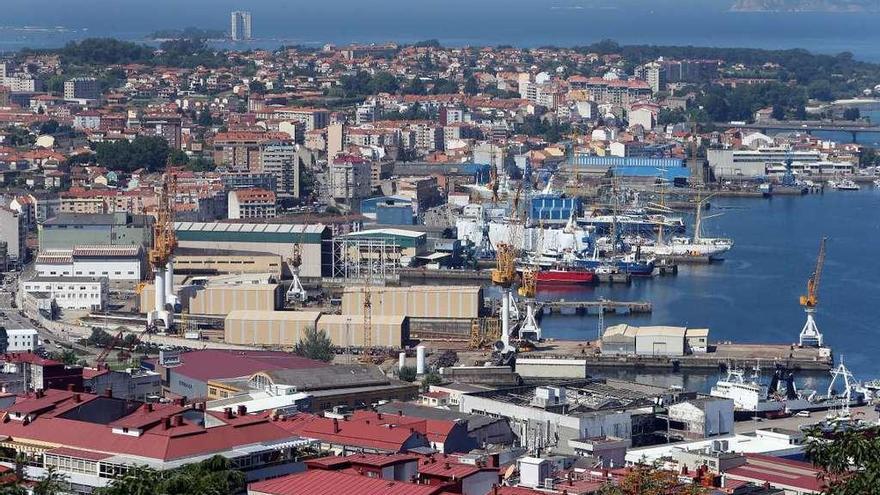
{"type": "Point", "coordinates": [698, 246]}
{"type": "Point", "coordinates": [747, 395]}
{"type": "Point", "coordinates": [844, 185]}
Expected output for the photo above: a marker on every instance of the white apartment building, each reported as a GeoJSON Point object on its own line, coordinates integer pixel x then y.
{"type": "Point", "coordinates": [22, 340]}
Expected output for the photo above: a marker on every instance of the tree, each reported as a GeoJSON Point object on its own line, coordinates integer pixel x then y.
{"type": "Point", "coordinates": [315, 345]}
{"type": "Point", "coordinates": [211, 476]}
{"type": "Point", "coordinates": [471, 86]}
{"type": "Point", "coordinates": [4, 340]}
{"type": "Point", "coordinates": [447, 358]}
{"type": "Point", "coordinates": [52, 483]}
{"type": "Point", "coordinates": [778, 112]}
{"type": "Point", "coordinates": [651, 480]}
{"type": "Point", "coordinates": [205, 119]}
{"type": "Point", "coordinates": [407, 374]}
{"type": "Point", "coordinates": [150, 152]}
{"type": "Point", "coordinates": [431, 379]}
{"type": "Point", "coordinates": [848, 458]}
{"type": "Point", "coordinates": [416, 87]}
{"type": "Point", "coordinates": [852, 113]}
{"type": "Point", "coordinates": [67, 356]}
{"type": "Point", "coordinates": [178, 157]}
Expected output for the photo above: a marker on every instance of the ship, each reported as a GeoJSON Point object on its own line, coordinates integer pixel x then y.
{"type": "Point", "coordinates": [564, 276]}
{"type": "Point", "coordinates": [844, 185]}
{"type": "Point", "coordinates": [749, 396]}
{"type": "Point", "coordinates": [633, 224]}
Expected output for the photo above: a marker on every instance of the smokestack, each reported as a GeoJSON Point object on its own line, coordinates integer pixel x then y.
{"type": "Point", "coordinates": [420, 360]}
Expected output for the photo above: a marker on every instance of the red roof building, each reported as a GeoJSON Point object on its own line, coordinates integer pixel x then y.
{"type": "Point", "coordinates": [319, 482]}
{"type": "Point", "coordinates": [791, 476]}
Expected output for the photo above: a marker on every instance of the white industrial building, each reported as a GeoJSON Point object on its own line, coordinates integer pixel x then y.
{"type": "Point", "coordinates": [113, 262]}
{"type": "Point", "coordinates": [754, 163]}
{"type": "Point", "coordinates": [83, 293]}
{"type": "Point", "coordinates": [701, 418]}
{"type": "Point", "coordinates": [545, 417]}
{"type": "Point", "coordinates": [658, 340]}
{"type": "Point", "coordinates": [22, 339]}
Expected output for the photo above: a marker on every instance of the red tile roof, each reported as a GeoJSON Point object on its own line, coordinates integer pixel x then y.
{"type": "Point", "coordinates": [318, 482]}
{"type": "Point", "coordinates": [355, 433]}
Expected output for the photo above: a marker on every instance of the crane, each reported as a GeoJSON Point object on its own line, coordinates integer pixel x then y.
{"type": "Point", "coordinates": [368, 324]}
{"type": "Point", "coordinates": [810, 335]}
{"type": "Point", "coordinates": [296, 292]}
{"type": "Point", "coordinates": [160, 256]}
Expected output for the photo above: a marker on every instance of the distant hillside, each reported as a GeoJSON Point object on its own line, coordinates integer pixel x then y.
{"type": "Point", "coordinates": [805, 6]}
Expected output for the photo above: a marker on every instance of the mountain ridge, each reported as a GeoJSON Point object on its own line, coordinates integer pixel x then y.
{"type": "Point", "coordinates": [805, 6]}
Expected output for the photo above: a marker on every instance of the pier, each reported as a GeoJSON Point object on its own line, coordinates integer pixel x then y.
{"type": "Point", "coordinates": [594, 307]}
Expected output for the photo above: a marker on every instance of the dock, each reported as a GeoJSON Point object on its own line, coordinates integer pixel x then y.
{"type": "Point", "coordinates": [719, 357]}
{"type": "Point", "coordinates": [594, 307]}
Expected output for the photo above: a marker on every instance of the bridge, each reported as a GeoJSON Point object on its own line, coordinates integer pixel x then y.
{"type": "Point", "coordinates": [807, 126]}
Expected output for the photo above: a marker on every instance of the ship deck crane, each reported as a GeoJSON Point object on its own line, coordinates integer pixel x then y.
{"type": "Point", "coordinates": [810, 335]}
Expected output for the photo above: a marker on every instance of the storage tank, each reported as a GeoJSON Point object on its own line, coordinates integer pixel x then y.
{"type": "Point", "coordinates": [401, 361]}
{"type": "Point", "coordinates": [420, 360]}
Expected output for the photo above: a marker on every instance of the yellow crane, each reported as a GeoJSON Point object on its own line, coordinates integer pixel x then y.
{"type": "Point", "coordinates": [810, 335]}
{"type": "Point", "coordinates": [811, 299]}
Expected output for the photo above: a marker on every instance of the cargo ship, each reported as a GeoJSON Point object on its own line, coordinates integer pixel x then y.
{"type": "Point", "coordinates": [565, 276]}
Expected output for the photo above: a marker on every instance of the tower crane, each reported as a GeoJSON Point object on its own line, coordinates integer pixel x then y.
{"type": "Point", "coordinates": [368, 325]}
{"type": "Point", "coordinates": [160, 256]}
{"type": "Point", "coordinates": [810, 335]}
{"type": "Point", "coordinates": [503, 276]}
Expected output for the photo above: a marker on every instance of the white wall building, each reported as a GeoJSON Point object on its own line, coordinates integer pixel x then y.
{"type": "Point", "coordinates": [82, 293]}
{"type": "Point", "coordinates": [113, 262]}
{"type": "Point", "coordinates": [22, 339]}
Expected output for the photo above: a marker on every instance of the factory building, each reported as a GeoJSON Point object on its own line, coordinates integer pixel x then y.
{"type": "Point", "coordinates": [276, 238]}
{"type": "Point", "coordinates": [79, 293]}
{"type": "Point", "coordinates": [554, 208]}
{"type": "Point", "coordinates": [113, 262]}
{"type": "Point", "coordinates": [403, 245]}
{"type": "Point", "coordinates": [67, 230]}
{"type": "Point", "coordinates": [701, 418]}
{"type": "Point", "coordinates": [221, 262]}
{"type": "Point", "coordinates": [418, 301]}
{"type": "Point", "coordinates": [348, 330]}
{"type": "Point", "coordinates": [218, 300]}
{"type": "Point", "coordinates": [268, 328]}
{"type": "Point", "coordinates": [654, 340]}
{"type": "Point", "coordinates": [754, 163]}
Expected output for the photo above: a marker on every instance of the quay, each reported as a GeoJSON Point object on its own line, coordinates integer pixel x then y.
{"type": "Point", "coordinates": [594, 307]}
{"type": "Point", "coordinates": [718, 357]}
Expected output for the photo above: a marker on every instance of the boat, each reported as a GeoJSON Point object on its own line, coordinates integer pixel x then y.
{"type": "Point", "coordinates": [564, 276]}
{"type": "Point", "coordinates": [633, 224]}
{"type": "Point", "coordinates": [698, 247]}
{"type": "Point", "coordinates": [845, 185]}
{"type": "Point", "coordinates": [876, 182]}
{"type": "Point", "coordinates": [748, 396]}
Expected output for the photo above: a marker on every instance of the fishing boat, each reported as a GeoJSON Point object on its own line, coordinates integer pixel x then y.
{"type": "Point", "coordinates": [846, 185]}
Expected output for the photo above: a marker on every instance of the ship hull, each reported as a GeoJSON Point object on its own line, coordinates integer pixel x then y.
{"type": "Point", "coordinates": [564, 277]}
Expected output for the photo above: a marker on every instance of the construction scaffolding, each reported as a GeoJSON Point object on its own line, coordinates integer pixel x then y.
{"type": "Point", "coordinates": [369, 261]}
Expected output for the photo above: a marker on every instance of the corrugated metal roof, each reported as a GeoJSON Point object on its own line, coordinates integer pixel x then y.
{"type": "Point", "coordinates": [417, 288]}
{"type": "Point", "coordinates": [279, 228]}
{"type": "Point", "coordinates": [322, 482]}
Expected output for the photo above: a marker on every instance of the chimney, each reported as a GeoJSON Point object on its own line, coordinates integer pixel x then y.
{"type": "Point", "coordinates": [108, 392]}
{"type": "Point", "coordinates": [70, 387]}
{"type": "Point", "coordinates": [167, 423]}
{"type": "Point", "coordinates": [181, 401]}
{"type": "Point", "coordinates": [77, 398]}
{"type": "Point", "coordinates": [178, 420]}
{"type": "Point", "coordinates": [227, 412]}
{"type": "Point", "coordinates": [494, 489]}
{"type": "Point", "coordinates": [335, 425]}
{"type": "Point", "coordinates": [242, 410]}
{"type": "Point", "coordinates": [149, 407]}
{"type": "Point", "coordinates": [379, 416]}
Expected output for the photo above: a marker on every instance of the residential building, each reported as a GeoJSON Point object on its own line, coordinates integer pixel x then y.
{"type": "Point", "coordinates": [241, 26]}
{"type": "Point", "coordinates": [92, 439]}
{"type": "Point", "coordinates": [22, 340]}
{"type": "Point", "coordinates": [135, 384]}
{"type": "Point", "coordinates": [654, 74]}
{"type": "Point", "coordinates": [82, 88]}
{"type": "Point", "coordinates": [349, 179]}
{"type": "Point", "coordinates": [251, 203]}
{"type": "Point", "coordinates": [13, 232]}
{"type": "Point", "coordinates": [29, 372]}
{"type": "Point", "coordinates": [113, 262]}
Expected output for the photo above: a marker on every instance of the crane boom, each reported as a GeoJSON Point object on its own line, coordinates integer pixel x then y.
{"type": "Point", "coordinates": [811, 299]}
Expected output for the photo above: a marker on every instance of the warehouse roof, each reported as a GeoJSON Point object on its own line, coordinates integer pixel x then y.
{"type": "Point", "coordinates": [213, 364]}
{"type": "Point", "coordinates": [321, 482]}
{"type": "Point", "coordinates": [660, 330]}
{"type": "Point", "coordinates": [106, 251]}
{"type": "Point", "coordinates": [474, 421]}
{"type": "Point", "coordinates": [330, 377]}
{"type": "Point", "coordinates": [389, 232]}
{"type": "Point", "coordinates": [256, 315]}
{"type": "Point", "coordinates": [697, 332]}
{"type": "Point", "coordinates": [417, 288]}
{"type": "Point", "coordinates": [250, 227]}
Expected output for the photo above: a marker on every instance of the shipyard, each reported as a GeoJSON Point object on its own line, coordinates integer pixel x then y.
{"type": "Point", "coordinates": [410, 268]}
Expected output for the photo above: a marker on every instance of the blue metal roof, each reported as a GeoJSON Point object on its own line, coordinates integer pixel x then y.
{"type": "Point", "coordinates": [629, 161]}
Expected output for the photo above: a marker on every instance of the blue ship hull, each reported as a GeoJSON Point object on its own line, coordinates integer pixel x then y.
{"type": "Point", "coordinates": [634, 268]}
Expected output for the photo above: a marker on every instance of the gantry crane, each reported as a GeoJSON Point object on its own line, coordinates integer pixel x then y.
{"type": "Point", "coordinates": [810, 335]}
{"type": "Point", "coordinates": [296, 292]}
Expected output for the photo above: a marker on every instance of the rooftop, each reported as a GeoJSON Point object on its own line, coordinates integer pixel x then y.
{"type": "Point", "coordinates": [206, 364]}
{"type": "Point", "coordinates": [321, 482]}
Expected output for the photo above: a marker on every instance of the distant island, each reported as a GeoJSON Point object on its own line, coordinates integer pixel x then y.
{"type": "Point", "coordinates": [188, 33]}
{"type": "Point", "coordinates": [805, 6]}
